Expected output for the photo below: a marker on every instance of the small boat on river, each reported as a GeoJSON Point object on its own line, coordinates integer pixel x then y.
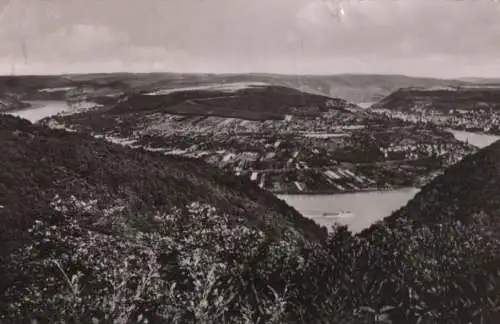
{"type": "Point", "coordinates": [341, 214]}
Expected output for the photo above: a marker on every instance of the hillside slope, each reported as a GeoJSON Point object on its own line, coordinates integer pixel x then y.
{"type": "Point", "coordinates": [439, 254]}
{"type": "Point", "coordinates": [74, 207]}
{"type": "Point", "coordinates": [93, 232]}
{"type": "Point", "coordinates": [40, 166]}
{"type": "Point", "coordinates": [357, 87]}
{"type": "Point", "coordinates": [442, 99]}
{"type": "Point", "coordinates": [250, 102]}
{"type": "Point", "coordinates": [469, 188]}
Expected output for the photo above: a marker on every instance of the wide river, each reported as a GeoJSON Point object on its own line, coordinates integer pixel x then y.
{"type": "Point", "coordinates": [479, 140]}
{"type": "Point", "coordinates": [362, 209]}
{"type": "Point", "coordinates": [41, 109]}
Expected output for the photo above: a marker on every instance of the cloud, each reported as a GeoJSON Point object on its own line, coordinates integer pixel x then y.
{"type": "Point", "coordinates": [405, 28]}
{"type": "Point", "coordinates": [259, 35]}
{"type": "Point", "coordinates": [80, 42]}
{"type": "Point", "coordinates": [86, 47]}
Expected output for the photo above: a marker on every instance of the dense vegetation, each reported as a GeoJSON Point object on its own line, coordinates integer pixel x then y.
{"type": "Point", "coordinates": [252, 103]}
{"type": "Point", "coordinates": [95, 233]}
{"type": "Point", "coordinates": [468, 188]}
{"type": "Point", "coordinates": [39, 164]}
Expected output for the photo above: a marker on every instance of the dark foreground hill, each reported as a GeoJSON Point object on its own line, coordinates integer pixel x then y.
{"type": "Point", "coordinates": [62, 192]}
{"type": "Point", "coordinates": [42, 166]}
{"type": "Point", "coordinates": [444, 244]}
{"type": "Point", "coordinates": [464, 190]}
{"type": "Point", "coordinates": [96, 233]}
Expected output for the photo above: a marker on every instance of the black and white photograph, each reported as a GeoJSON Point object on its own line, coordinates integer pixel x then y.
{"type": "Point", "coordinates": [249, 161]}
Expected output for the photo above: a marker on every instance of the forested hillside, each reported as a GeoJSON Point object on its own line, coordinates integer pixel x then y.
{"type": "Point", "coordinates": [92, 232]}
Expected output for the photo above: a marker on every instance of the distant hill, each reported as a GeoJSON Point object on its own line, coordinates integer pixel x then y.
{"type": "Point", "coordinates": [99, 214]}
{"type": "Point", "coordinates": [357, 88]}
{"type": "Point", "coordinates": [481, 80]}
{"type": "Point", "coordinates": [442, 99]}
{"type": "Point", "coordinates": [260, 102]}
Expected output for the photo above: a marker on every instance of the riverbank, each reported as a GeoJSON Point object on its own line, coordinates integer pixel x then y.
{"type": "Point", "coordinates": [40, 109]}
{"type": "Point", "coordinates": [479, 140]}
{"type": "Point", "coordinates": [346, 192]}
{"type": "Point", "coordinates": [367, 206]}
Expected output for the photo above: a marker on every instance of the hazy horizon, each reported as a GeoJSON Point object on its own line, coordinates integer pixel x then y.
{"type": "Point", "coordinates": [419, 38]}
{"type": "Point", "coordinates": [254, 73]}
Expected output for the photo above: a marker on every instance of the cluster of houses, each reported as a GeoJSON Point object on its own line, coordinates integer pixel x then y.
{"type": "Point", "coordinates": [408, 149]}
{"type": "Point", "coordinates": [334, 180]}
{"type": "Point", "coordinates": [299, 154]}
{"type": "Point", "coordinates": [307, 164]}
{"type": "Point", "coordinates": [484, 120]}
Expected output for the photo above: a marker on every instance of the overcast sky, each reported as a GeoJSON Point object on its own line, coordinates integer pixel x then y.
{"type": "Point", "coordinates": [441, 38]}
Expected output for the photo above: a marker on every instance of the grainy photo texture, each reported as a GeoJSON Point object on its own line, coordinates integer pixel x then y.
{"type": "Point", "coordinates": [237, 161]}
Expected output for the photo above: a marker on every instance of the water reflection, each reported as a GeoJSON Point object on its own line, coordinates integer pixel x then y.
{"type": "Point", "coordinates": [41, 109]}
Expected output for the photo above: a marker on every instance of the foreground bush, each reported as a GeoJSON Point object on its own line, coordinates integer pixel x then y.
{"type": "Point", "coordinates": [192, 267]}
{"type": "Point", "coordinates": [196, 266]}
